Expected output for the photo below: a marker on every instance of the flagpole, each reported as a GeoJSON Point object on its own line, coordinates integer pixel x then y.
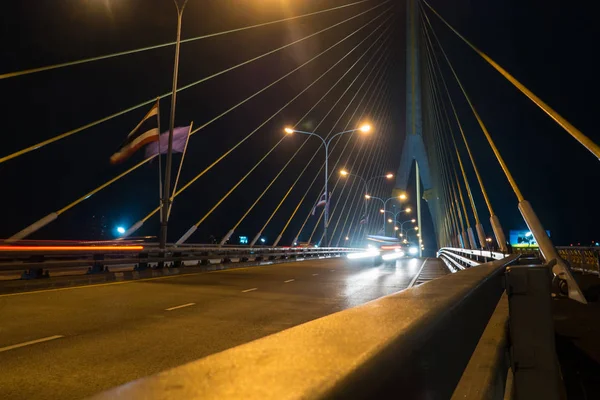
{"type": "Point", "coordinates": [160, 184]}
{"type": "Point", "coordinates": [167, 188]}
{"type": "Point", "coordinates": [187, 139]}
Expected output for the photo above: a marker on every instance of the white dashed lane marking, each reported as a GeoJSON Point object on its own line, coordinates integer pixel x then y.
{"type": "Point", "coordinates": [181, 306]}
{"type": "Point", "coordinates": [16, 346]}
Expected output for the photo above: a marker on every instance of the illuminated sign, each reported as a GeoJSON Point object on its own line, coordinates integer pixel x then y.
{"type": "Point", "coordinates": [243, 239]}
{"type": "Point", "coordinates": [523, 238]}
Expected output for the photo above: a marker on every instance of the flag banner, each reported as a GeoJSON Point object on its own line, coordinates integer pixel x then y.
{"type": "Point", "coordinates": [145, 132]}
{"type": "Point", "coordinates": [320, 203]}
{"type": "Point", "coordinates": [180, 135]}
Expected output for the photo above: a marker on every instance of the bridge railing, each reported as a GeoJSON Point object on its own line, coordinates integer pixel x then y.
{"type": "Point", "coordinates": [458, 259]}
{"type": "Point", "coordinates": [581, 259]}
{"type": "Point", "coordinates": [98, 258]}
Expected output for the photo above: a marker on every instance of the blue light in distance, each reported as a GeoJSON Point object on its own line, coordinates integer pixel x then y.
{"type": "Point", "coordinates": [120, 230]}
{"type": "Point", "coordinates": [262, 240]}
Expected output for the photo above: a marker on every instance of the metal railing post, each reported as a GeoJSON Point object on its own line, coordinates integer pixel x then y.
{"type": "Point", "coordinates": [533, 353]}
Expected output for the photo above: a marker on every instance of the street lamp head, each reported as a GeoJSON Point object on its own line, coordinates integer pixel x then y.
{"type": "Point", "coordinates": [401, 235]}
{"type": "Point", "coordinates": [367, 196]}
{"type": "Point", "coordinates": [416, 228]}
{"type": "Point", "coordinates": [347, 238]}
{"type": "Point", "coordinates": [389, 176]}
{"type": "Point", "coordinates": [390, 220]}
{"type": "Point", "coordinates": [402, 196]}
{"type": "Point", "coordinates": [365, 128]}
{"type": "Point", "coordinates": [288, 130]}
{"type": "Point", "coordinates": [413, 220]}
{"type": "Point", "coordinates": [408, 210]}
{"type": "Point", "coordinates": [344, 172]}
{"type": "Point", "coordinates": [382, 211]}
{"type": "Point", "coordinates": [396, 228]}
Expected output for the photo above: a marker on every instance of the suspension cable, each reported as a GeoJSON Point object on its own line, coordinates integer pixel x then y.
{"type": "Point", "coordinates": [147, 102]}
{"type": "Point", "coordinates": [478, 175]}
{"type": "Point", "coordinates": [321, 168]}
{"type": "Point", "coordinates": [444, 156]}
{"type": "Point", "coordinates": [499, 158]}
{"type": "Point", "coordinates": [432, 59]}
{"type": "Point", "coordinates": [314, 155]}
{"type": "Point", "coordinates": [441, 104]}
{"type": "Point", "coordinates": [281, 170]}
{"type": "Point", "coordinates": [369, 165]}
{"type": "Point", "coordinates": [371, 149]}
{"type": "Point", "coordinates": [52, 216]}
{"type": "Point", "coordinates": [375, 110]}
{"type": "Point", "coordinates": [195, 226]}
{"type": "Point", "coordinates": [158, 46]}
{"type": "Point", "coordinates": [566, 125]}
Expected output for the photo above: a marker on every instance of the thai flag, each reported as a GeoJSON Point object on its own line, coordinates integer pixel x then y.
{"type": "Point", "coordinates": [145, 132]}
{"type": "Point", "coordinates": [180, 137]}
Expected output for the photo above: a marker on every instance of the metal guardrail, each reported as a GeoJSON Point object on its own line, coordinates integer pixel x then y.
{"type": "Point", "coordinates": [582, 259]}
{"type": "Point", "coordinates": [98, 258]}
{"type": "Point", "coordinates": [458, 259]}
{"type": "Point", "coordinates": [393, 347]}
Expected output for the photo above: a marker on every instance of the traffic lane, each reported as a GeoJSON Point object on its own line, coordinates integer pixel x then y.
{"type": "Point", "coordinates": [33, 315]}
{"type": "Point", "coordinates": [79, 365]}
{"type": "Point", "coordinates": [30, 316]}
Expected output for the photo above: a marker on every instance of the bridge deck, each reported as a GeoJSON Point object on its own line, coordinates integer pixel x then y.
{"type": "Point", "coordinates": [97, 337]}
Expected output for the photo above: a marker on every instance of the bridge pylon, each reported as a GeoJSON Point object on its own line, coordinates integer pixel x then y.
{"type": "Point", "coordinates": [414, 145]}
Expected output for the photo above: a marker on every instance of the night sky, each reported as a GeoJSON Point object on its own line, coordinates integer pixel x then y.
{"type": "Point", "coordinates": [549, 49]}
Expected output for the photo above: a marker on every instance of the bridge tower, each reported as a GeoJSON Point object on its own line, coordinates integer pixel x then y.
{"type": "Point", "coordinates": [414, 146]}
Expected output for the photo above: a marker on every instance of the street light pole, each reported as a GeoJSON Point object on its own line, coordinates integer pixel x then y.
{"type": "Point", "coordinates": [167, 184]}
{"type": "Point", "coordinates": [343, 172]}
{"type": "Point", "coordinates": [365, 128]}
{"type": "Point", "coordinates": [384, 202]}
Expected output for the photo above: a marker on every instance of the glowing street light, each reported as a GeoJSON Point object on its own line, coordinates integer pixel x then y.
{"type": "Point", "coordinates": [390, 220]}
{"type": "Point", "coordinates": [366, 182]}
{"type": "Point", "coordinates": [397, 228]}
{"type": "Point", "coordinates": [120, 230]}
{"type": "Point", "coordinates": [365, 128]}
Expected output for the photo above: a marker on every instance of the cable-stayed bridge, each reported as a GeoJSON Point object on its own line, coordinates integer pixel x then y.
{"type": "Point", "coordinates": [306, 163]}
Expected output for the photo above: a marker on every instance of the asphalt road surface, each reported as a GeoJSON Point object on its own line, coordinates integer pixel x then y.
{"type": "Point", "coordinates": [74, 342]}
